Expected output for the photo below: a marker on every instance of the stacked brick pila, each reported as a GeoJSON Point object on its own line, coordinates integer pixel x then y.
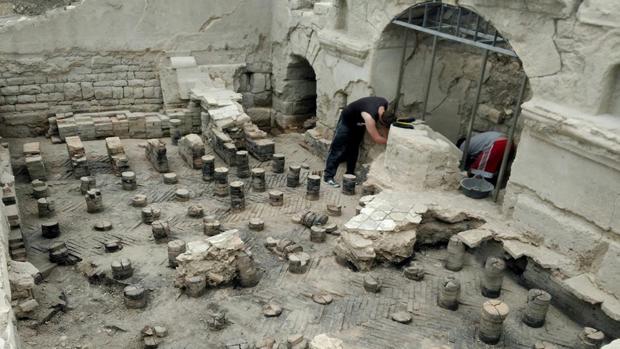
{"type": "Point", "coordinates": [227, 127]}
{"type": "Point", "coordinates": [116, 153]}
{"type": "Point", "coordinates": [77, 155]}
{"type": "Point", "coordinates": [34, 161]}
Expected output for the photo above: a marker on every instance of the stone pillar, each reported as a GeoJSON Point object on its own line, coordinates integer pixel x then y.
{"type": "Point", "coordinates": [348, 184]}
{"type": "Point", "coordinates": [46, 207]}
{"type": "Point", "coordinates": [313, 187]}
{"type": "Point", "coordinates": [182, 195]}
{"type": "Point", "coordinates": [221, 181]}
{"type": "Point", "coordinates": [160, 229]}
{"type": "Point", "coordinates": [122, 269]}
{"type": "Point", "coordinates": [449, 291]}
{"type": "Point", "coordinates": [247, 271]}
{"type": "Point", "coordinates": [135, 297]}
{"type": "Point", "coordinates": [278, 163]}
{"type": "Point", "coordinates": [128, 180]}
{"type": "Point", "coordinates": [256, 224]}
{"type": "Point", "coordinates": [195, 286]}
{"type": "Point", "coordinates": [494, 312]}
{"type": "Point", "coordinates": [195, 211]}
{"type": "Point", "coordinates": [150, 214]}
{"type": "Point", "coordinates": [536, 308]}
{"type": "Point", "coordinates": [94, 201]}
{"type": "Point", "coordinates": [170, 178]}
{"type": "Point", "coordinates": [493, 277]}
{"type": "Point", "coordinates": [415, 271]}
{"type": "Point", "coordinates": [86, 184]}
{"type": "Point", "coordinates": [590, 338]}
{"type": "Point", "coordinates": [258, 180]}
{"type": "Point", "coordinates": [292, 178]}
{"type": "Point", "coordinates": [276, 198]}
{"type": "Point", "coordinates": [243, 164]}
{"type": "Point", "coordinates": [456, 254]}
{"type": "Point", "coordinates": [39, 189]}
{"type": "Point", "coordinates": [139, 200]}
{"type": "Point", "coordinates": [176, 131]}
{"type": "Point", "coordinates": [237, 196]}
{"type": "Point", "coordinates": [317, 234]}
{"type": "Point", "coordinates": [50, 230]}
{"type": "Point", "coordinates": [298, 263]}
{"type": "Point", "coordinates": [211, 227]}
{"type": "Point", "coordinates": [175, 248]}
{"type": "Point", "coordinates": [208, 167]}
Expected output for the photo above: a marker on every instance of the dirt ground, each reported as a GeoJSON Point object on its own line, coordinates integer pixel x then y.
{"type": "Point", "coordinates": [34, 7]}
{"type": "Point", "coordinates": [97, 317]}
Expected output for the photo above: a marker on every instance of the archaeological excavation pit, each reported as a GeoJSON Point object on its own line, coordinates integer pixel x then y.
{"type": "Point", "coordinates": [162, 168]}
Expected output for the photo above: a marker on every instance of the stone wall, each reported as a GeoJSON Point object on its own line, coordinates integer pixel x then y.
{"type": "Point", "coordinates": [564, 188]}
{"type": "Point", "coordinates": [8, 330]}
{"type": "Point", "coordinates": [109, 55]}
{"type": "Point", "coordinates": [32, 89]}
{"type": "Point", "coordinates": [453, 85]}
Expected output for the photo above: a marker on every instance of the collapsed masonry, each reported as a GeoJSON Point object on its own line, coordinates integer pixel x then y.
{"type": "Point", "coordinates": [387, 230]}
{"type": "Point", "coordinates": [214, 261]}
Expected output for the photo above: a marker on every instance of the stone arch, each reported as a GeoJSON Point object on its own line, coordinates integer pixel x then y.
{"type": "Point", "coordinates": [295, 99]}
{"type": "Point", "coordinates": [454, 82]}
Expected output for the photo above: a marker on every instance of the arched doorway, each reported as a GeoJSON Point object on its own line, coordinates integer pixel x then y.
{"type": "Point", "coordinates": [295, 99]}
{"type": "Point", "coordinates": [449, 66]}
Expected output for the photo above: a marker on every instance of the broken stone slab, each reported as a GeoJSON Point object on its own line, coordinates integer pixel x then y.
{"type": "Point", "coordinates": [322, 298]}
{"type": "Point", "coordinates": [474, 237]}
{"type": "Point", "coordinates": [25, 308]}
{"type": "Point", "coordinates": [355, 249]}
{"type": "Point", "coordinates": [265, 343]}
{"type": "Point", "coordinates": [401, 316]}
{"type": "Point", "coordinates": [323, 341]}
{"type": "Point", "coordinates": [583, 287]}
{"type": "Point", "coordinates": [296, 341]}
{"type": "Point", "coordinates": [272, 309]}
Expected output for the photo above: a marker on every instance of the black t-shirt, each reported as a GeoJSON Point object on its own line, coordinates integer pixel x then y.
{"type": "Point", "coordinates": [352, 113]}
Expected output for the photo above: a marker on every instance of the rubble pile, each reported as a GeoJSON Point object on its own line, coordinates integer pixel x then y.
{"type": "Point", "coordinates": [220, 259]}
{"type": "Point", "coordinates": [387, 228]}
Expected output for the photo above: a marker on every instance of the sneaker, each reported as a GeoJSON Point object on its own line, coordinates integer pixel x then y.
{"type": "Point", "coordinates": [332, 183]}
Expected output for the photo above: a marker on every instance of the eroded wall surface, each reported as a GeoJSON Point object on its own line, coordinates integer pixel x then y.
{"type": "Point", "coordinates": [105, 55]}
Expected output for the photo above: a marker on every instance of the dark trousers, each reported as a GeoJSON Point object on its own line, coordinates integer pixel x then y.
{"type": "Point", "coordinates": [345, 147]}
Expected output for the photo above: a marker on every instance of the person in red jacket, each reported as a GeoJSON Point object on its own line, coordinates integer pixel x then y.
{"type": "Point", "coordinates": [485, 154]}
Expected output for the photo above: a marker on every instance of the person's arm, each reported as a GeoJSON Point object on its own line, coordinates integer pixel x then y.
{"type": "Point", "coordinates": [371, 127]}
